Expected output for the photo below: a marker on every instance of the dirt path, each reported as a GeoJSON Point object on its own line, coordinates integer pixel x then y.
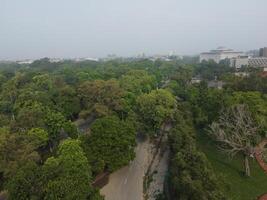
{"type": "Point", "coordinates": [127, 183]}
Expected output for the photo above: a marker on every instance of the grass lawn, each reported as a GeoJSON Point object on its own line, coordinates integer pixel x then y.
{"type": "Point", "coordinates": [238, 186]}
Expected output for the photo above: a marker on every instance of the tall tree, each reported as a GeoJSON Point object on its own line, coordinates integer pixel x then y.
{"type": "Point", "coordinates": [257, 105]}
{"type": "Point", "coordinates": [68, 175]}
{"type": "Point", "coordinates": [15, 150]}
{"type": "Point", "coordinates": [110, 144]}
{"type": "Point", "coordinates": [101, 97]}
{"type": "Point", "coordinates": [138, 82]}
{"type": "Point", "coordinates": [26, 183]}
{"type": "Point", "coordinates": [154, 109]}
{"type": "Point", "coordinates": [236, 132]}
{"type": "Point", "coordinates": [190, 174]}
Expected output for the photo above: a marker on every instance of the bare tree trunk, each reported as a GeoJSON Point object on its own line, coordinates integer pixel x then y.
{"type": "Point", "coordinates": [247, 167]}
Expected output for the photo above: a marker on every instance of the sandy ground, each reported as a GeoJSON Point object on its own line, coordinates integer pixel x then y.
{"type": "Point", "coordinates": [127, 183]}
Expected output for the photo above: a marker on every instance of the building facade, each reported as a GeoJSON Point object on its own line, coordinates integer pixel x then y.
{"type": "Point", "coordinates": [243, 61]}
{"type": "Point", "coordinates": [239, 62]}
{"type": "Point", "coordinates": [258, 62]}
{"type": "Point", "coordinates": [251, 62]}
{"type": "Point", "coordinates": [219, 54]}
{"type": "Point", "coordinates": [263, 52]}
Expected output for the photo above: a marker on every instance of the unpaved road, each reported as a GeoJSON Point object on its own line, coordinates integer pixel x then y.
{"type": "Point", "coordinates": [127, 183]}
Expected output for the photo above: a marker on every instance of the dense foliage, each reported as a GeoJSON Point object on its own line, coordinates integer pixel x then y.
{"type": "Point", "coordinates": [155, 108]}
{"type": "Point", "coordinates": [110, 144]}
{"type": "Point", "coordinates": [46, 153]}
{"type": "Point", "coordinates": [207, 103]}
{"type": "Point", "coordinates": [191, 175]}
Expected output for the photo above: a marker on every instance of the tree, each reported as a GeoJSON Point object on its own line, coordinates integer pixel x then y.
{"type": "Point", "coordinates": [54, 122]}
{"type": "Point", "coordinates": [236, 132]}
{"type": "Point", "coordinates": [101, 96]}
{"type": "Point", "coordinates": [254, 82]}
{"type": "Point", "coordinates": [257, 105]}
{"type": "Point", "coordinates": [10, 93]}
{"type": "Point", "coordinates": [71, 129]}
{"type": "Point", "coordinates": [43, 82]}
{"type": "Point", "coordinates": [67, 101]}
{"type": "Point", "coordinates": [209, 69]}
{"type": "Point", "coordinates": [38, 137]}
{"type": "Point", "coordinates": [110, 144]}
{"type": "Point", "coordinates": [154, 109]}
{"type": "Point", "coordinates": [29, 117]}
{"type": "Point", "coordinates": [15, 150]}
{"type": "Point", "coordinates": [26, 183]}
{"type": "Point", "coordinates": [68, 175]}
{"type": "Point", "coordinates": [206, 103]}
{"type": "Point", "coordinates": [190, 174]}
{"type": "Point", "coordinates": [38, 116]}
{"type": "Point", "coordinates": [31, 95]}
{"type": "Point", "coordinates": [4, 120]}
{"type": "Point", "coordinates": [183, 76]}
{"type": "Point", "coordinates": [138, 82]}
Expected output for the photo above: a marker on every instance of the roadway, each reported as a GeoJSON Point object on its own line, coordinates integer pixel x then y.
{"type": "Point", "coordinates": [127, 183]}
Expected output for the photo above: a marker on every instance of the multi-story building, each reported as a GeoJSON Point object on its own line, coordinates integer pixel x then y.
{"type": "Point", "coordinates": [247, 61]}
{"type": "Point", "coordinates": [258, 62]}
{"type": "Point", "coordinates": [219, 54]}
{"type": "Point", "coordinates": [263, 52]}
{"type": "Point", "coordinates": [241, 61]}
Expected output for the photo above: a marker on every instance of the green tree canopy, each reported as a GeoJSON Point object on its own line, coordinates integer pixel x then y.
{"type": "Point", "coordinates": [110, 144]}
{"type": "Point", "coordinates": [15, 150]}
{"type": "Point", "coordinates": [26, 183]}
{"type": "Point", "coordinates": [257, 104]}
{"type": "Point", "coordinates": [190, 174]}
{"type": "Point", "coordinates": [68, 175]}
{"type": "Point", "coordinates": [138, 82]}
{"type": "Point", "coordinates": [154, 109]}
{"type": "Point", "coordinates": [101, 97]}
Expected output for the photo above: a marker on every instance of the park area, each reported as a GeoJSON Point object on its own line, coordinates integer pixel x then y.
{"type": "Point", "coordinates": [231, 172]}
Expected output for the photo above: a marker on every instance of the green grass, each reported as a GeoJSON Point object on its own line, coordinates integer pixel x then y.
{"type": "Point", "coordinates": [238, 187]}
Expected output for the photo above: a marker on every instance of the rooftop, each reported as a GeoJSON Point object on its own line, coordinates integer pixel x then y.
{"type": "Point", "coordinates": [220, 50]}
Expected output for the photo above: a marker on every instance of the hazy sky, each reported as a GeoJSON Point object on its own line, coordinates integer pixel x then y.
{"type": "Point", "coordinates": [95, 28]}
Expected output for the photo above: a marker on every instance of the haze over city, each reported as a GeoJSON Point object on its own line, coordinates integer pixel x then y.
{"type": "Point", "coordinates": [95, 28]}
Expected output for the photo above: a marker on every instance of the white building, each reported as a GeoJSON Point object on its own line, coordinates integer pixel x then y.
{"type": "Point", "coordinates": [239, 61]}
{"type": "Point", "coordinates": [247, 61]}
{"type": "Point", "coordinates": [22, 62]}
{"type": "Point", "coordinates": [242, 74]}
{"type": "Point", "coordinates": [219, 54]}
{"type": "Point", "coordinates": [85, 59]}
{"type": "Point", "coordinates": [195, 80]}
{"type": "Point", "coordinates": [258, 62]}
{"type": "Point", "coordinates": [56, 60]}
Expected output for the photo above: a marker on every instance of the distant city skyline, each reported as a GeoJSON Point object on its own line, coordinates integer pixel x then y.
{"type": "Point", "coordinates": [95, 28]}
